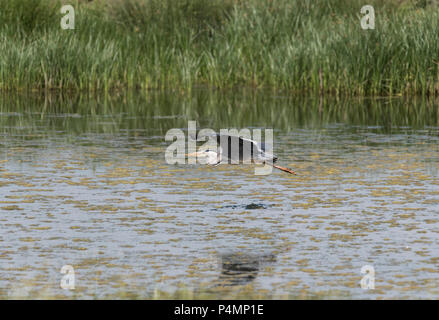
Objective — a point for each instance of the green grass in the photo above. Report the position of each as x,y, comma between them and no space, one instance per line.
299,46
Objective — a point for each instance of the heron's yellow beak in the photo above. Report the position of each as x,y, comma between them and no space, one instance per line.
196,154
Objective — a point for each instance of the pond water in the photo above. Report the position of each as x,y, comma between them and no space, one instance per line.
84,182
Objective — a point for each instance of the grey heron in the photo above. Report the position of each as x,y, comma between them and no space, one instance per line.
236,150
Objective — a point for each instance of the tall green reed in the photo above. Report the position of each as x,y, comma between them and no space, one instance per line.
299,46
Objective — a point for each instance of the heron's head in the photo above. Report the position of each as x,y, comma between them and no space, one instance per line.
207,156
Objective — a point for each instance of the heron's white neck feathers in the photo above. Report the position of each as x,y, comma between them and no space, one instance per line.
210,157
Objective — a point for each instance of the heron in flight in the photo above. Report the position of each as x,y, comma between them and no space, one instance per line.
236,149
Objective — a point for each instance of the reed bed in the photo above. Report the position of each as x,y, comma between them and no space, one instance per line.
298,46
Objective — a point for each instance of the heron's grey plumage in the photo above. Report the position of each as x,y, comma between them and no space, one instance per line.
235,149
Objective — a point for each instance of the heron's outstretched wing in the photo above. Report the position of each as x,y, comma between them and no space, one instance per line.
238,149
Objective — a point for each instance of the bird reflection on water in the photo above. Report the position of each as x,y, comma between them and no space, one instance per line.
241,269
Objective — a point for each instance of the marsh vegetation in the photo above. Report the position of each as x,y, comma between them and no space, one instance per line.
295,46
